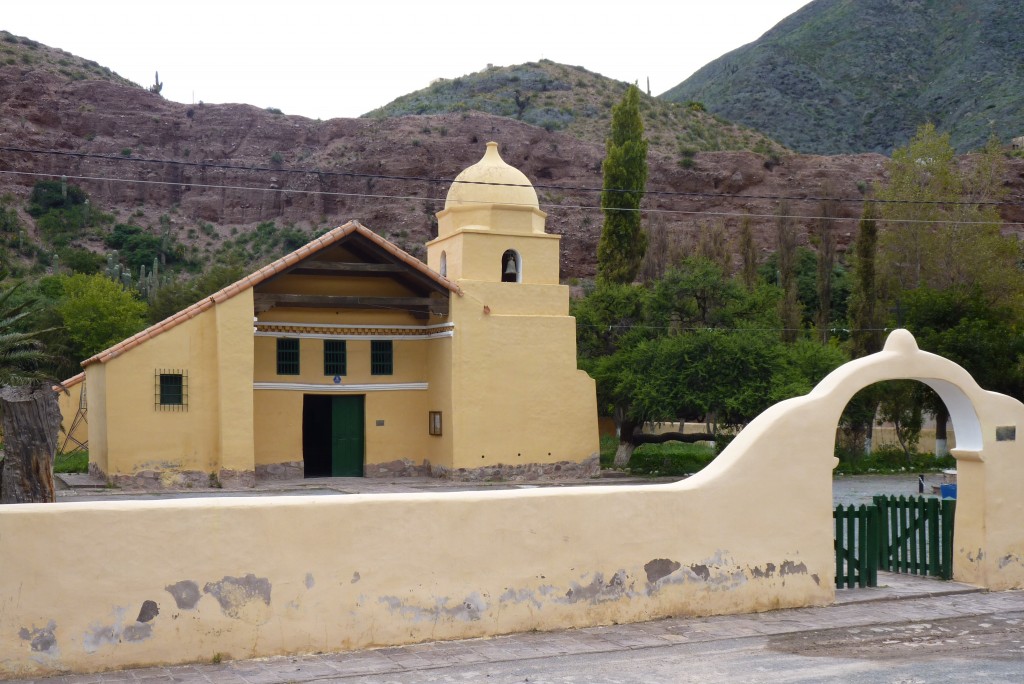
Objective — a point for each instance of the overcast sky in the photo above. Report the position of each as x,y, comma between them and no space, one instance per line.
343,59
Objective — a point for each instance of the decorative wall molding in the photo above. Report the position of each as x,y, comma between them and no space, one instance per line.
341,387
353,332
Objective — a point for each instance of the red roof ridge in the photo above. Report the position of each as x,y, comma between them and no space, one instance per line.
261,274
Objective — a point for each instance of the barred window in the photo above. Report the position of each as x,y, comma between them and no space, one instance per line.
382,357
171,390
335,360
287,356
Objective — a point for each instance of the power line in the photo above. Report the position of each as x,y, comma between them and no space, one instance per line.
439,200
428,179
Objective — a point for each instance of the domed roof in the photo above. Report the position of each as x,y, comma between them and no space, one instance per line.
491,181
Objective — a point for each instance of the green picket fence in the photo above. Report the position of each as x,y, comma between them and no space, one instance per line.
898,534
856,545
916,535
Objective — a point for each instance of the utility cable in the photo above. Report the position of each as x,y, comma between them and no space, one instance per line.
427,179
440,200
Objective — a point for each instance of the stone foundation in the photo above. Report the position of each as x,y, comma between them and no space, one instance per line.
177,479
562,470
403,467
291,470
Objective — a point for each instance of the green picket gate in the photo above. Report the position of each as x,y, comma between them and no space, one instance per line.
856,545
897,534
916,535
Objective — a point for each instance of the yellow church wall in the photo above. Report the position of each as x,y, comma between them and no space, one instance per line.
278,425
212,435
520,397
403,435
145,437
513,218
234,359
69,400
96,398
439,398
477,255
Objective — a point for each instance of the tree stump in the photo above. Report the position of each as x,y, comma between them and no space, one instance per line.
31,421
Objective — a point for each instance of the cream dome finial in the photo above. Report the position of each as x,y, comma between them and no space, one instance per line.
492,181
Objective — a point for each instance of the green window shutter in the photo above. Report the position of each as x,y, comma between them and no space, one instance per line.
335,361
382,357
287,356
171,390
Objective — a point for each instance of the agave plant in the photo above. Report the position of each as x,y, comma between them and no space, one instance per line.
22,357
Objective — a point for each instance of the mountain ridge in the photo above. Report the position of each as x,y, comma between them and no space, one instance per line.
841,77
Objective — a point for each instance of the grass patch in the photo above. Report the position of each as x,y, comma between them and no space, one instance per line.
77,462
892,460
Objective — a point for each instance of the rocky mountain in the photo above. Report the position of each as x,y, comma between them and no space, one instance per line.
849,76
238,183
557,97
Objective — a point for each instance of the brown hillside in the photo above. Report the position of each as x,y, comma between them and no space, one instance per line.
301,163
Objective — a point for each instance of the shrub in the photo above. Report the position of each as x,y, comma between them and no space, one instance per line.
670,458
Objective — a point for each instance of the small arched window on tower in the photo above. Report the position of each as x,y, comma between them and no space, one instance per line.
511,267
444,264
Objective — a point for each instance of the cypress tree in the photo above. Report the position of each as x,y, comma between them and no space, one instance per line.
623,242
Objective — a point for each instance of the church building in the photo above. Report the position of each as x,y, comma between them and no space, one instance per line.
350,357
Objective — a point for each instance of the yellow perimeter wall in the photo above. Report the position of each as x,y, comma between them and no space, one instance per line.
185,580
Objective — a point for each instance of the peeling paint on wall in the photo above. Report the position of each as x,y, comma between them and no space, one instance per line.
186,594
469,610
660,567
310,582
243,598
149,610
118,632
791,568
41,639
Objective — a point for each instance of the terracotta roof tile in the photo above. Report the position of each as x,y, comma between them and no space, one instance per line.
261,274
70,382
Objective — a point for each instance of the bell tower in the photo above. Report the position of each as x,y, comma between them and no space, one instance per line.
492,220
519,404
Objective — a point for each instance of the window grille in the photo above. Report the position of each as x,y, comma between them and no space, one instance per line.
171,390
381,357
335,360
287,356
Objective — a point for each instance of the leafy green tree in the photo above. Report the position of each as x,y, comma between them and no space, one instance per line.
621,248
866,335
98,313
692,345
789,308
961,325
826,264
938,232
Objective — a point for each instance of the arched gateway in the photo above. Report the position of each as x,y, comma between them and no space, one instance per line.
988,538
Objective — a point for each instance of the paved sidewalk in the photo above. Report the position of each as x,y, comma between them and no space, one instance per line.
902,605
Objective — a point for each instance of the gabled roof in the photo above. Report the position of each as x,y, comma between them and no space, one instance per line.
274,268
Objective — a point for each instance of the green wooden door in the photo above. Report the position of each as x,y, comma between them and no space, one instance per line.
347,436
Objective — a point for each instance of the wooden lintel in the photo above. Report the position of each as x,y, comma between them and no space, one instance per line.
320,267
264,301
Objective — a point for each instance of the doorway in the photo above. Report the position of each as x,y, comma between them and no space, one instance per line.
333,435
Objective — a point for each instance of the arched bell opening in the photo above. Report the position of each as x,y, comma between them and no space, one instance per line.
511,267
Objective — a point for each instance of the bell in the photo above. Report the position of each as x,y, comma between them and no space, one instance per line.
510,267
